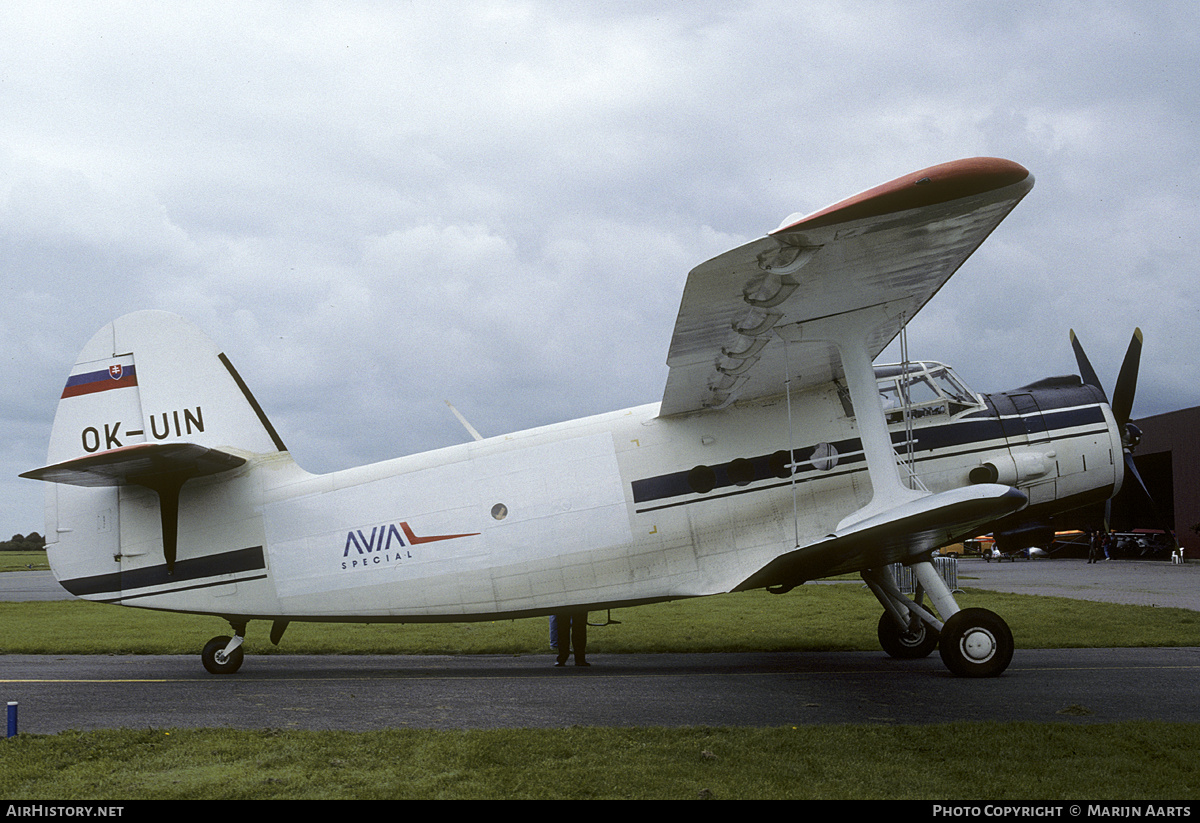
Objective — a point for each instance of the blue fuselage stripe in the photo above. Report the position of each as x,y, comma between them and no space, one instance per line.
964,436
186,575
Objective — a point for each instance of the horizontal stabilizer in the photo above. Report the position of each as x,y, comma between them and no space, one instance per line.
894,536
138,464
161,467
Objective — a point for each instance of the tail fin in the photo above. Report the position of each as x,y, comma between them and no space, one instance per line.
153,377
152,402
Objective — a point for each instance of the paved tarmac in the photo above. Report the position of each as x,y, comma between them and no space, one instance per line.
58,692
359,693
30,586
1135,582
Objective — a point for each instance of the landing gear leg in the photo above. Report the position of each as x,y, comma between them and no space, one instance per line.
972,642
975,642
223,654
906,629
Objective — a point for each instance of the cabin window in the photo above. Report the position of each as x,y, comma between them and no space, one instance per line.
702,479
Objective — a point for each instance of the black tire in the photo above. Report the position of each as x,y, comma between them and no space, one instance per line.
906,645
215,662
976,643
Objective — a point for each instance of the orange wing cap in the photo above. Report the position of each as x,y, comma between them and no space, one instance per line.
928,187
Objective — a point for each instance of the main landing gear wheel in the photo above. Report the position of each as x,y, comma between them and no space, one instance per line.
215,659
976,643
906,644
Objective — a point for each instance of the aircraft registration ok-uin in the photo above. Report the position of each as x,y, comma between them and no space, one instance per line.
779,454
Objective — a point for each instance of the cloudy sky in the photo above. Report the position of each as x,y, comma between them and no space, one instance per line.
374,207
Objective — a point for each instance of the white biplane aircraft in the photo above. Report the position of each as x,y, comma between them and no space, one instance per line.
778,455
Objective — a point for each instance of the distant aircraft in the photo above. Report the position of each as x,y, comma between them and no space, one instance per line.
777,455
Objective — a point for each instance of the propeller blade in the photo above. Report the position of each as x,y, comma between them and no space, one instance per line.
1131,469
1086,372
1122,408
1122,403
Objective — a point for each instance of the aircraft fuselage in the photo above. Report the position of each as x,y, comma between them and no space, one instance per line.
616,509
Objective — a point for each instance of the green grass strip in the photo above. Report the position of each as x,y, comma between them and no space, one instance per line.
960,761
815,617
23,561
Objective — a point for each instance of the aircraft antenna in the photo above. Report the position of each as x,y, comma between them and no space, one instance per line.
470,429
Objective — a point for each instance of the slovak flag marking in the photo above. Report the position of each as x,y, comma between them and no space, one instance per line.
112,376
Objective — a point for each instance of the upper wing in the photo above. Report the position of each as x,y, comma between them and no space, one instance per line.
891,247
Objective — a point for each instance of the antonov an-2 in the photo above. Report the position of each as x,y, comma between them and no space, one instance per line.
778,454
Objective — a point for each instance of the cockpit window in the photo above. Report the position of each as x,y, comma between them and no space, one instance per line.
947,381
925,389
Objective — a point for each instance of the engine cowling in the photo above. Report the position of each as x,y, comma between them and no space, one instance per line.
1013,469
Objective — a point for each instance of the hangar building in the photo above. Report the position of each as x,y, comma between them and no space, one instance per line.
1168,459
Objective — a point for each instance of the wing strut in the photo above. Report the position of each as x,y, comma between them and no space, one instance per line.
850,332
787,383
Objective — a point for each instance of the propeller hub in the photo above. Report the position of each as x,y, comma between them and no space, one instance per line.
1131,436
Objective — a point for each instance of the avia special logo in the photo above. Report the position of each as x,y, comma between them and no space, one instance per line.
386,545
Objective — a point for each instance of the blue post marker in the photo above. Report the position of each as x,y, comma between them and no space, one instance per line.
12,718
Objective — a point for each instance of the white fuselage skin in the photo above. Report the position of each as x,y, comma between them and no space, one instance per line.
532,522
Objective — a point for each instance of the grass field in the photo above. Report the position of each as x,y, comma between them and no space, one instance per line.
963,761
835,616
21,561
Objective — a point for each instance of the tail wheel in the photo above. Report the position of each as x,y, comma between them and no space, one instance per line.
216,661
976,643
906,644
